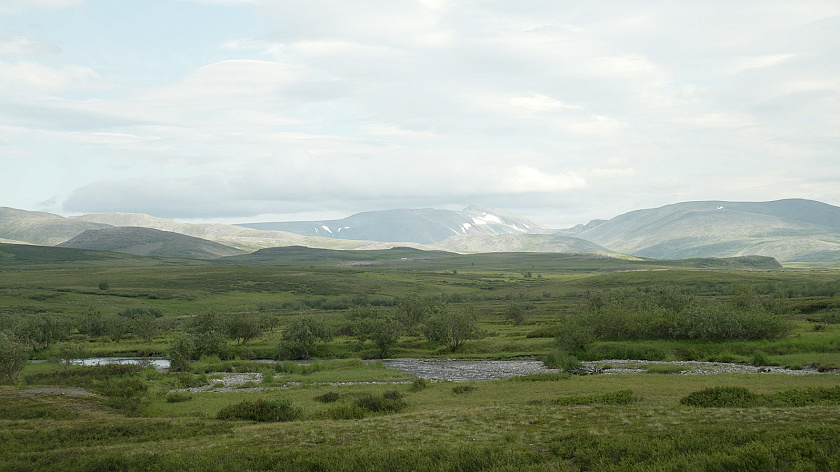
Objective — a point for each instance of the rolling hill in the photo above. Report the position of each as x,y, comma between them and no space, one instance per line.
246,239
795,230
35,227
518,243
788,230
149,242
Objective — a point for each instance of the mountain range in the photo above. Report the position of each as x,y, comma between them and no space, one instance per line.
793,230
422,226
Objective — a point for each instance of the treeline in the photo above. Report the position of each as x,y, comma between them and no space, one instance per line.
440,323
665,314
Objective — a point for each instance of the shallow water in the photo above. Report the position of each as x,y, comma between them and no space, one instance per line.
156,362
467,371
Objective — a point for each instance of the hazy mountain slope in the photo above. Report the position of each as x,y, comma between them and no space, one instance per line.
37,227
239,237
149,242
423,226
788,230
518,243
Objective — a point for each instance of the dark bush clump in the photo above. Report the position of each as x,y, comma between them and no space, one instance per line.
419,384
389,402
261,410
721,397
329,397
460,389
178,397
621,397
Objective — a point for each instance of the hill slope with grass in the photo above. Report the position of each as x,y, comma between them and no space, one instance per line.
788,230
35,227
518,243
149,242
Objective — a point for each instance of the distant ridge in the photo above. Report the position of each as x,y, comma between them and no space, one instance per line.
35,227
421,226
149,242
788,230
519,243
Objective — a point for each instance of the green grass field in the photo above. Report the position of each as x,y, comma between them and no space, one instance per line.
355,415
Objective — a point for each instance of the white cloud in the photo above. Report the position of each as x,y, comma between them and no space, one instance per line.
314,103
524,179
32,77
16,45
10,6
757,62
720,120
539,103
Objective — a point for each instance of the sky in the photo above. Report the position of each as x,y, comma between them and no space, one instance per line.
278,110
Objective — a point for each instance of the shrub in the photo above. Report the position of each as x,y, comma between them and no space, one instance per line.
759,358
328,397
178,397
561,360
621,397
461,389
261,410
721,397
13,357
419,384
389,402
346,412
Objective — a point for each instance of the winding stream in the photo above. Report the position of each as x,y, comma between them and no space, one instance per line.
467,370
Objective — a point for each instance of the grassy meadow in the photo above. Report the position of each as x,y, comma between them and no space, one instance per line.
347,411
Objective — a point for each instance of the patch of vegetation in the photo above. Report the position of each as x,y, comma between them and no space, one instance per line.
328,397
621,397
740,397
462,389
418,384
389,402
261,410
178,397
561,360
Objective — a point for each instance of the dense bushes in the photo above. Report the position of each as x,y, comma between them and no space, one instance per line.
261,410
740,397
666,315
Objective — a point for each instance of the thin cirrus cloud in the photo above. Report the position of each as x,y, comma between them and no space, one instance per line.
562,111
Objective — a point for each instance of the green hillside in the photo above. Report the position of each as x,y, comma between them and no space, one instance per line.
150,242
788,230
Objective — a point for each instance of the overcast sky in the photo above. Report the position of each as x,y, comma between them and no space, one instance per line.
561,111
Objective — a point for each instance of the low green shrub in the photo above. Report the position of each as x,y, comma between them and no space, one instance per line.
346,411
389,402
178,397
328,397
621,397
34,412
759,358
261,410
721,397
419,384
461,389
561,360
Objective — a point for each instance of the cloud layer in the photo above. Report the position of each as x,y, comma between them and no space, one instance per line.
562,111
